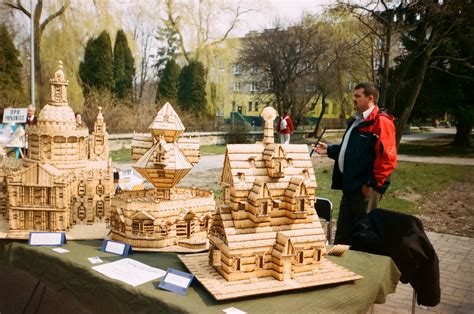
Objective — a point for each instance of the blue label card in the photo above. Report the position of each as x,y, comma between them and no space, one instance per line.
176,281
47,238
115,247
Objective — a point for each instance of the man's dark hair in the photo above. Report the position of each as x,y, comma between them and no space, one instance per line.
369,89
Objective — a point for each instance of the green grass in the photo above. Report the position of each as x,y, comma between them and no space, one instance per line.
121,156
411,185
212,150
436,147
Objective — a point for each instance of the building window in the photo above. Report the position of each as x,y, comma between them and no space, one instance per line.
326,109
264,208
301,257
269,85
261,261
233,106
82,189
100,208
236,86
376,64
100,189
253,86
250,106
253,69
237,266
256,106
310,87
317,255
237,69
302,205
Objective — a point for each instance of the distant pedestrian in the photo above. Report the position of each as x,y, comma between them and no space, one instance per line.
79,122
285,128
31,119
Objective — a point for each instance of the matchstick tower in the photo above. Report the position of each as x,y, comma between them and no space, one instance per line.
165,217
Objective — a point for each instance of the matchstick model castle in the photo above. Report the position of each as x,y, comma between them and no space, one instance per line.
164,217
65,181
266,237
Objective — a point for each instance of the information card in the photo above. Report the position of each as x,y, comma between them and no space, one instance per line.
176,281
130,271
115,247
47,238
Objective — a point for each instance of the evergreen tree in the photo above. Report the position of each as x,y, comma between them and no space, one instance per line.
124,68
96,71
168,83
192,87
10,67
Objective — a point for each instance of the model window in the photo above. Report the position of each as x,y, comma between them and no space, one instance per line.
301,257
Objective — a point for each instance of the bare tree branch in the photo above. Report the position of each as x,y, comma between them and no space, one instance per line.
54,15
19,7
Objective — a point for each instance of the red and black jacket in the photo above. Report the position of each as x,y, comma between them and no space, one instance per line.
370,157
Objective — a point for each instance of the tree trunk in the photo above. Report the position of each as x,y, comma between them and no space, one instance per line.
321,114
42,89
386,67
463,131
413,93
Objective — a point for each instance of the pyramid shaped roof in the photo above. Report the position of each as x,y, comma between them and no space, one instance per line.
167,124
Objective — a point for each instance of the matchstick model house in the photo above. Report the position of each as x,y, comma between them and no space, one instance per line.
266,236
63,183
268,225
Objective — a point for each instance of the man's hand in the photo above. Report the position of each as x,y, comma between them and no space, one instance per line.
321,148
366,190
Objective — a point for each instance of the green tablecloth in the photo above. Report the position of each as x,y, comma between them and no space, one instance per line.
71,273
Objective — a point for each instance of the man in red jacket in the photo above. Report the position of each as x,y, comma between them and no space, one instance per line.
364,160
285,128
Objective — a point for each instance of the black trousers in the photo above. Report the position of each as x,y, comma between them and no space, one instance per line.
354,206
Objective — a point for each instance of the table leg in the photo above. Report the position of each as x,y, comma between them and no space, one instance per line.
28,302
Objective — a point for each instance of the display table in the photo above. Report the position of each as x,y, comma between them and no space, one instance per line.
71,273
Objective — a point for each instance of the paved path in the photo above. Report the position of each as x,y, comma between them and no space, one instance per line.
433,133
456,257
437,160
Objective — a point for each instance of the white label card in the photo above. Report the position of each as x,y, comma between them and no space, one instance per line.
114,247
60,250
233,310
95,260
46,238
177,280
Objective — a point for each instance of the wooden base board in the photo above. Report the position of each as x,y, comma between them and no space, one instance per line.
172,249
95,231
221,289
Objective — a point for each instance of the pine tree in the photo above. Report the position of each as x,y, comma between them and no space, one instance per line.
168,83
124,68
10,67
192,87
96,71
